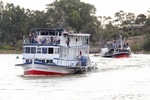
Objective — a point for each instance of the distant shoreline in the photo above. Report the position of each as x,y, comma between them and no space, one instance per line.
5,51
93,50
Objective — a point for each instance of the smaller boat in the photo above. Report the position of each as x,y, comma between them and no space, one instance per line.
117,48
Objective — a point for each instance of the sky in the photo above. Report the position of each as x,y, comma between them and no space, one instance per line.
104,7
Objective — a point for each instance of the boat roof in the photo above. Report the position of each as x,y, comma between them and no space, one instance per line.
60,29
76,34
50,29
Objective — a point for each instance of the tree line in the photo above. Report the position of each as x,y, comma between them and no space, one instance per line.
75,15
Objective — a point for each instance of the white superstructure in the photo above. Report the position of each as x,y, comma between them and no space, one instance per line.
55,51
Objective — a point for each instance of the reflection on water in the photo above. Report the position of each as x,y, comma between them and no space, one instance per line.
115,79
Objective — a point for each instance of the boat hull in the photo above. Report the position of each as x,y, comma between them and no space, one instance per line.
40,72
118,55
44,69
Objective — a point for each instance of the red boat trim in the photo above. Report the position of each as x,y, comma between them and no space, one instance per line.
37,72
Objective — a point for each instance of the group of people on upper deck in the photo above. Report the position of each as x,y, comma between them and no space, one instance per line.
117,44
33,39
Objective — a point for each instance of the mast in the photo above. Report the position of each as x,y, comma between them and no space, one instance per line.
121,41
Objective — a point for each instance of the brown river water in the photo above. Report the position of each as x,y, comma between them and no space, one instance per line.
115,79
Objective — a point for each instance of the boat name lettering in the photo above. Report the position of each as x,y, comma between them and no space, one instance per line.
42,68
27,67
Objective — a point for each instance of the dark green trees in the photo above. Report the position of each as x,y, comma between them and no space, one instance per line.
72,15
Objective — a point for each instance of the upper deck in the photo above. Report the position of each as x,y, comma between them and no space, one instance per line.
46,36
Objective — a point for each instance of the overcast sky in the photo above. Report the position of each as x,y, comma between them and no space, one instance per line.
104,7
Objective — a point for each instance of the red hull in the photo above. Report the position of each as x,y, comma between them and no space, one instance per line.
122,56
35,72
119,55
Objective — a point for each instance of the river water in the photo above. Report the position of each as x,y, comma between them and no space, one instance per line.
115,79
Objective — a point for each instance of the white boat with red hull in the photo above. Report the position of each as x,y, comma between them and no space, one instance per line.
56,52
118,48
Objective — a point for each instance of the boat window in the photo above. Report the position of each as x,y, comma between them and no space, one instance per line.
56,50
44,33
50,50
38,50
27,49
52,33
43,61
49,61
27,60
44,50
33,50
59,34
38,60
60,52
87,41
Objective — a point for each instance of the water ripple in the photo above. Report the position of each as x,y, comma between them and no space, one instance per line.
115,79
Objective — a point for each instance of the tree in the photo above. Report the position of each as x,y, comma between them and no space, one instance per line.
104,29
147,23
120,17
140,19
146,45
77,16
129,19
14,21
1,16
72,12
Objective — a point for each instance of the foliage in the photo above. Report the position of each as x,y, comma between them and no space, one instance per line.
146,45
147,23
7,47
71,15
141,18
18,45
136,47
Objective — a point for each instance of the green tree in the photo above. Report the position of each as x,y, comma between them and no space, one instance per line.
120,17
14,21
129,19
146,44
73,13
1,17
140,19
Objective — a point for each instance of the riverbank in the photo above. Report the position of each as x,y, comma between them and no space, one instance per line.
5,51
93,50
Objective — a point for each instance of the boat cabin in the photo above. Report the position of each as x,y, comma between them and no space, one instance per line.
55,46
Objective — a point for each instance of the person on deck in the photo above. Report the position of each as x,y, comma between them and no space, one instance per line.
68,40
31,38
